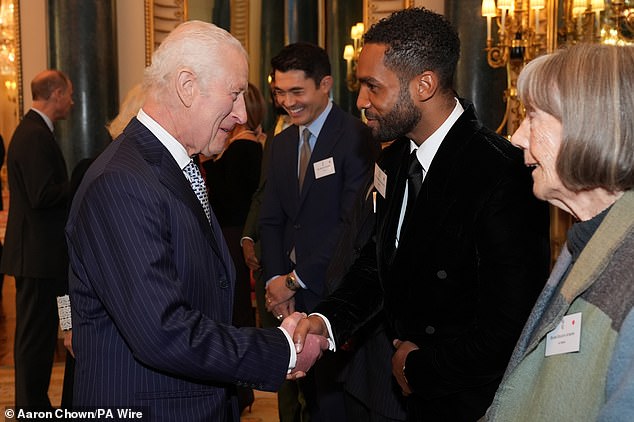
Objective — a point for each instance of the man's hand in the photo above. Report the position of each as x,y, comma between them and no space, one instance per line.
311,325
276,294
284,309
291,321
313,349
248,251
398,363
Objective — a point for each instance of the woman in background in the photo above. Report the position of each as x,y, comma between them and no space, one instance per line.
575,358
232,177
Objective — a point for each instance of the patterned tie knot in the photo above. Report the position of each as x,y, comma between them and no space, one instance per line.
198,185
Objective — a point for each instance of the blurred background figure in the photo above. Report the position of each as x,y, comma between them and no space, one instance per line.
250,240
232,178
35,249
574,360
128,109
2,152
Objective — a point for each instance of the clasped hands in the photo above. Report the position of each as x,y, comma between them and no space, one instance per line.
310,336
310,341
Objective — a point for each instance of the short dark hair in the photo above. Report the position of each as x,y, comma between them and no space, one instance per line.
417,40
308,57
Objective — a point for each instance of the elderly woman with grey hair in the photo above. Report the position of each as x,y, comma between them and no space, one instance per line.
575,358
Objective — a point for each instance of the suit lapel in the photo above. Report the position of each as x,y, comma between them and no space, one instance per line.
172,177
389,209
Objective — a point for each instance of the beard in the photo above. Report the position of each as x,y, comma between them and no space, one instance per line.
402,119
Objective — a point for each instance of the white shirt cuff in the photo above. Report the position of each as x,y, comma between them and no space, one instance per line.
245,238
331,342
293,360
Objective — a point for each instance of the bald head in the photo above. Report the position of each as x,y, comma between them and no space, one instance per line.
46,82
52,94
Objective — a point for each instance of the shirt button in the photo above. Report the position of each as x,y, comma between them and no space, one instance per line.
430,330
442,274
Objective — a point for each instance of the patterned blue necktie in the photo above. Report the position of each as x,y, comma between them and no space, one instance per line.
198,184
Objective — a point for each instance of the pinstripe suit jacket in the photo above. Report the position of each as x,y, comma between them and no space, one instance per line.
152,285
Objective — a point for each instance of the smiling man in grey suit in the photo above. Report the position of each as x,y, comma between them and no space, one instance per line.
151,278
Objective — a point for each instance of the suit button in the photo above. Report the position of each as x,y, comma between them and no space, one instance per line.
223,283
430,330
442,274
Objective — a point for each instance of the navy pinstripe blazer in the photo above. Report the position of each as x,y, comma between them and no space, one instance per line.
151,285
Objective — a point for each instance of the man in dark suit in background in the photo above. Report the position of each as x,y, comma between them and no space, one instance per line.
34,249
151,279
2,153
453,263
316,167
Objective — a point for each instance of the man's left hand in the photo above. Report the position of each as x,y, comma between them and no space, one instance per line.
277,293
398,363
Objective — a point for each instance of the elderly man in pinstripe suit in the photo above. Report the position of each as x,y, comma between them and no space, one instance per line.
151,279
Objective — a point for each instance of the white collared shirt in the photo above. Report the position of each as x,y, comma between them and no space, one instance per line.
48,121
426,153
173,146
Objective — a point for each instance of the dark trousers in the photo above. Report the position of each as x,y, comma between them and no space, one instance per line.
36,324
324,394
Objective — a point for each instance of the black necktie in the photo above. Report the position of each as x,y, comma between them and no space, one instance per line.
414,179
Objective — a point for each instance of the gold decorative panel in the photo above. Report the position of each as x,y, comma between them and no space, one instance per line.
161,16
375,10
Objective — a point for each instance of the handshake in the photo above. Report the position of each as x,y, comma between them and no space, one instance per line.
308,345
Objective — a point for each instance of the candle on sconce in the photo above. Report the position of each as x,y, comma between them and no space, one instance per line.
488,10
348,54
537,5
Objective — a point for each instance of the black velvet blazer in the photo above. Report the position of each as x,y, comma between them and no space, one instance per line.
468,268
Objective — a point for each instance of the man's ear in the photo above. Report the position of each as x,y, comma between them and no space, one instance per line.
426,85
185,86
326,83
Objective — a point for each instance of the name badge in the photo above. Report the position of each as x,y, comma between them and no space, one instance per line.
380,180
324,168
566,338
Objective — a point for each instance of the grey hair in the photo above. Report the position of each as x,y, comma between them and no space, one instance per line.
197,45
588,88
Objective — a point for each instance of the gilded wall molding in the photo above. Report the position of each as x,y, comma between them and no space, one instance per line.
375,10
161,16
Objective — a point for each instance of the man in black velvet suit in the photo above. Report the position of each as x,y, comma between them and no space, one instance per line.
453,264
34,249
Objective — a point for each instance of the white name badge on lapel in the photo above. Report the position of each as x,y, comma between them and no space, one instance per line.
380,180
324,168
566,338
